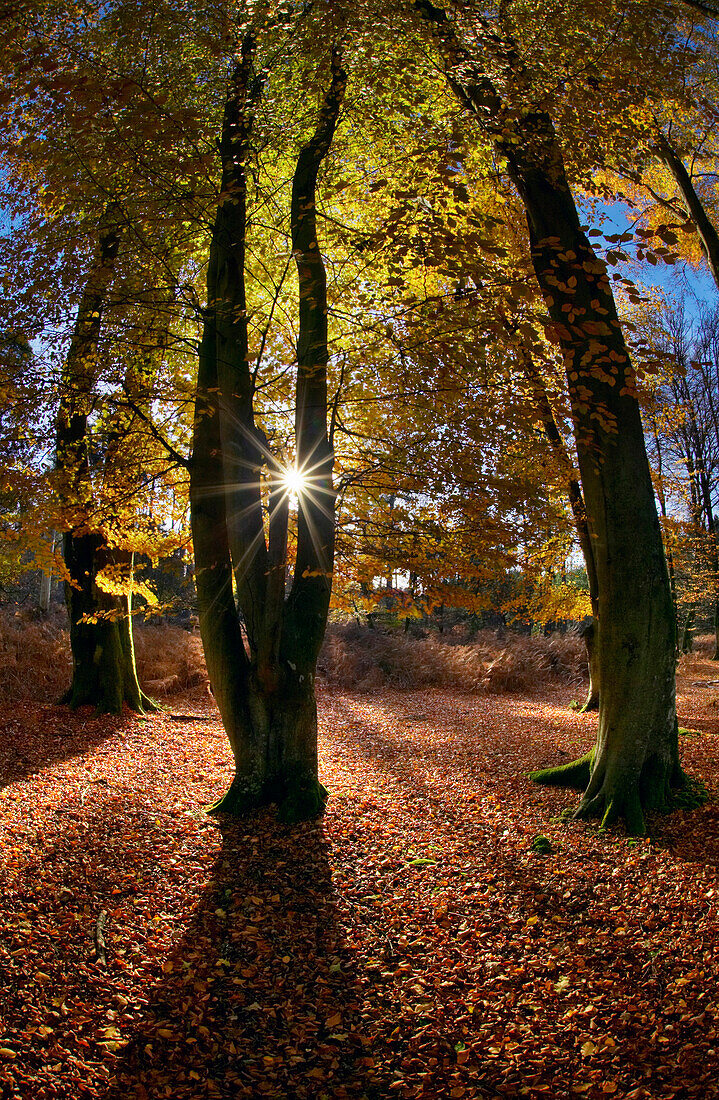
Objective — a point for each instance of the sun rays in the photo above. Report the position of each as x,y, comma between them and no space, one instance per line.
295,482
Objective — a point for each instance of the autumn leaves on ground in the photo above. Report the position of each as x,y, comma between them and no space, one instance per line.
411,943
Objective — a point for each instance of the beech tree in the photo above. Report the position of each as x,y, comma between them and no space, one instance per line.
104,671
263,675
635,762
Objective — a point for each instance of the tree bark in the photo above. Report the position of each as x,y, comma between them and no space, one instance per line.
103,655
265,692
104,673
553,436
694,206
635,761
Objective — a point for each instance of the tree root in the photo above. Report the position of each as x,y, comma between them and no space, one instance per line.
621,798
575,774
296,801
241,798
302,802
612,809
148,705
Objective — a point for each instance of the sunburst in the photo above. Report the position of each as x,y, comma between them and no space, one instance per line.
295,482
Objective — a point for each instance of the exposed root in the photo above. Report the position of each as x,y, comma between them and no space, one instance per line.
241,798
148,705
613,808
613,799
575,774
296,801
304,801
591,705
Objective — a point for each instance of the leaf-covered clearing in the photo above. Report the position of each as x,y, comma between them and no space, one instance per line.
412,943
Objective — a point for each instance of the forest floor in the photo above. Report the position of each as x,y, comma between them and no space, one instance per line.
409,944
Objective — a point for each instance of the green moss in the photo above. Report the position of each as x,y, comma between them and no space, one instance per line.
541,846
302,801
241,798
692,794
575,774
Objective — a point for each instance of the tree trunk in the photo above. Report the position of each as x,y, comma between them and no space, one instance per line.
635,761
708,235
687,634
46,580
661,495
590,631
636,757
104,672
265,692
103,656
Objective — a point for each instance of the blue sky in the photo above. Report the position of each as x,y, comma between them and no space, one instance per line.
679,280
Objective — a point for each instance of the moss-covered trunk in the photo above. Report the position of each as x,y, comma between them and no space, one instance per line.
636,757
635,761
103,657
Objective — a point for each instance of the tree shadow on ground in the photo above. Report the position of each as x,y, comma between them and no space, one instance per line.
259,997
43,735
705,725
538,911
692,835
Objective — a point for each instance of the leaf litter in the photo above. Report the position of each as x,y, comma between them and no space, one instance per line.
409,944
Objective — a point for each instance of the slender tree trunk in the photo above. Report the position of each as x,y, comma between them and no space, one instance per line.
661,495
46,579
265,692
708,235
589,631
687,634
635,761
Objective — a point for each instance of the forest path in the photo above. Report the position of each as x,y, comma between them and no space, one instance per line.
410,944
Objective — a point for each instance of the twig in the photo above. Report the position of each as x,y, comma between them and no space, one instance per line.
100,945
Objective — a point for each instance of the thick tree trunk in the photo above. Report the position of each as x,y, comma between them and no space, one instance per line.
636,759
103,657
265,692
274,736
